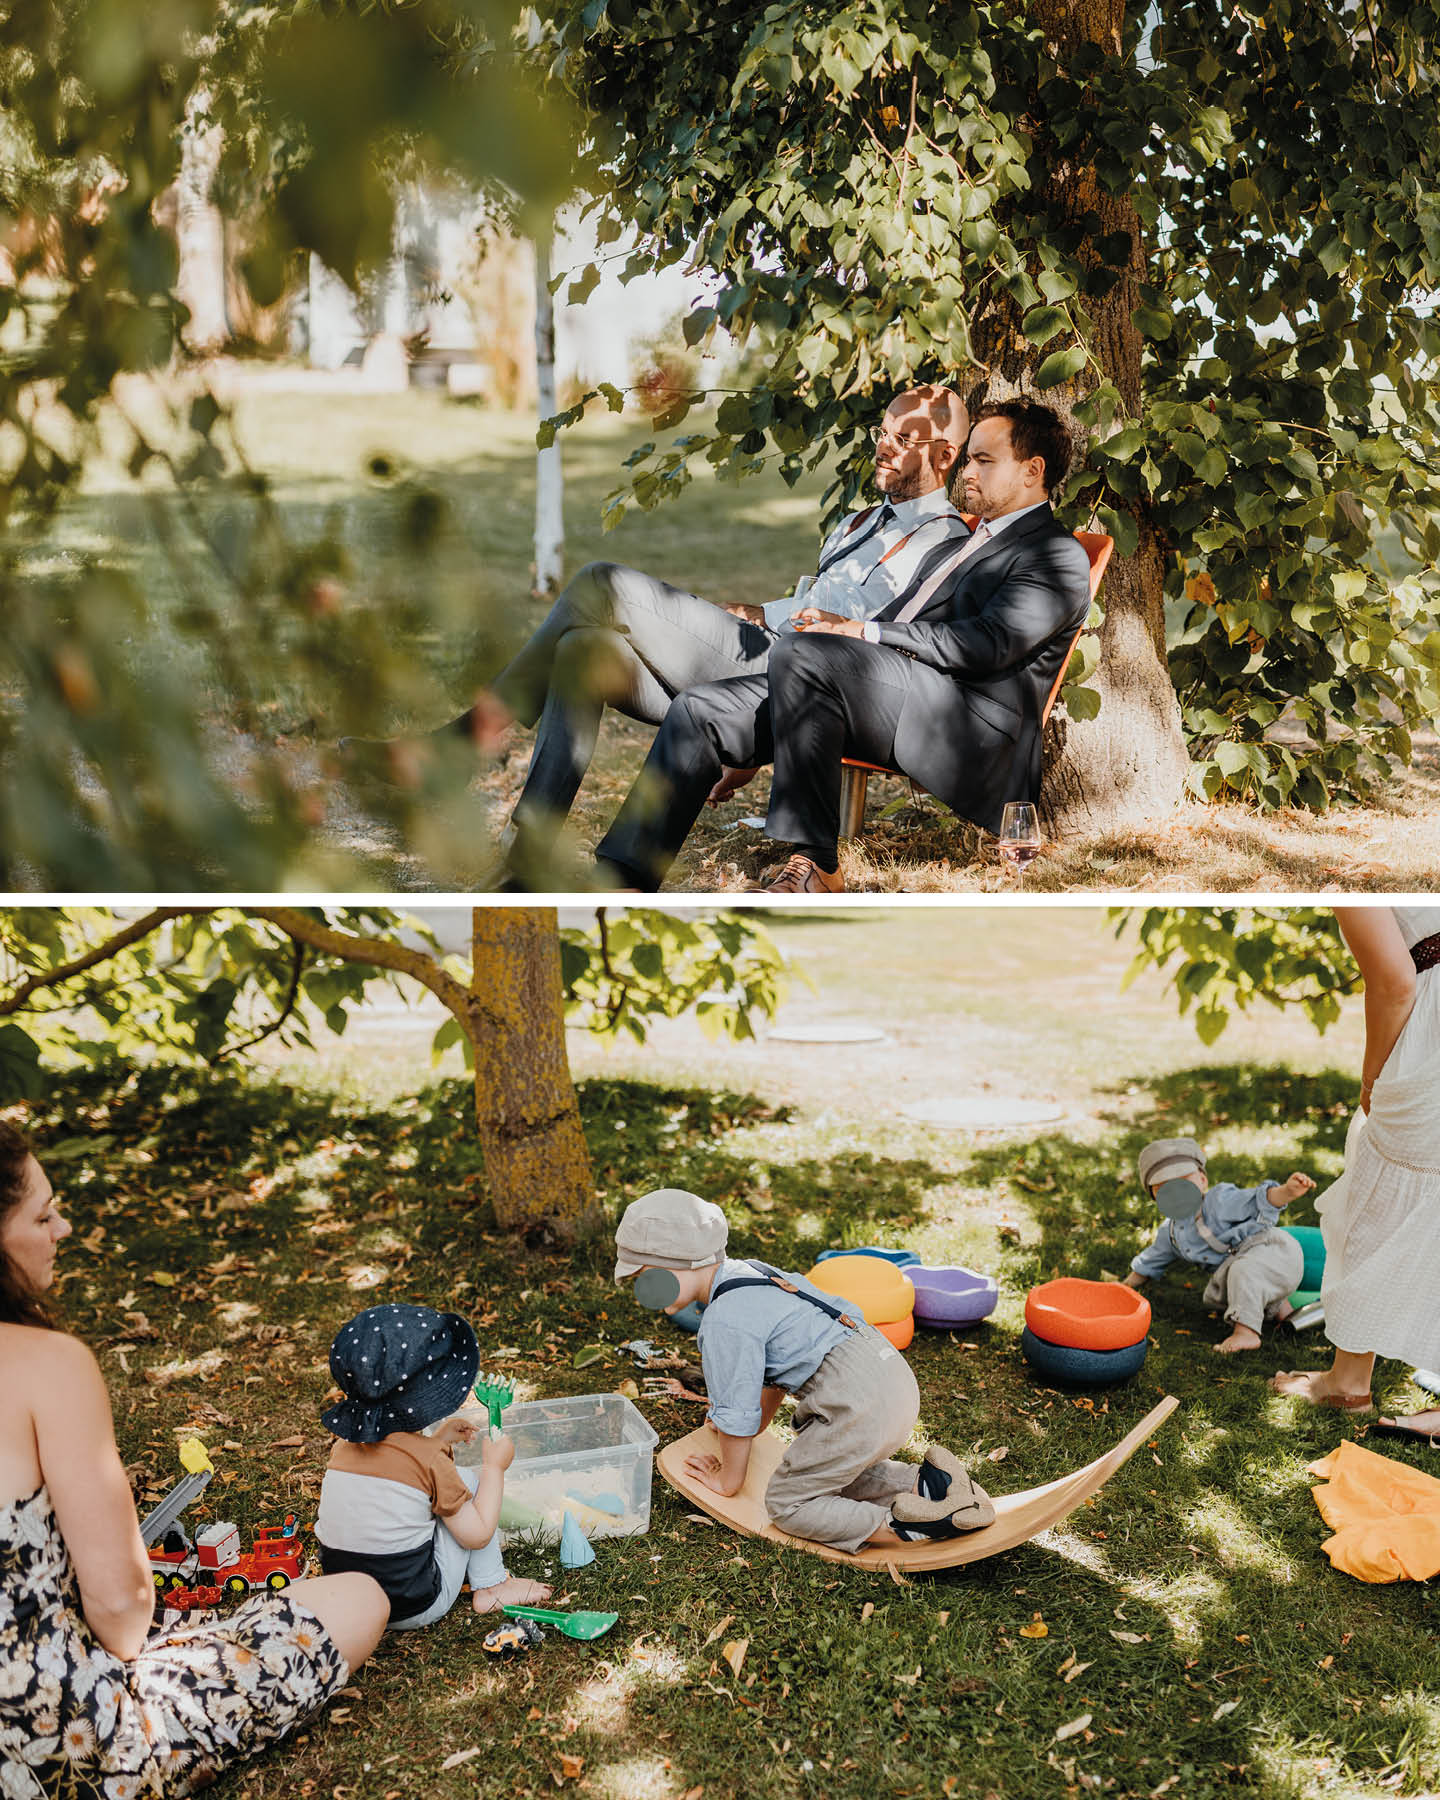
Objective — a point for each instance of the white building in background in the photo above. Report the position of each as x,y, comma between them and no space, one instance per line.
423,287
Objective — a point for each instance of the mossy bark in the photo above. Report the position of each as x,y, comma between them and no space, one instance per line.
1130,762
536,1158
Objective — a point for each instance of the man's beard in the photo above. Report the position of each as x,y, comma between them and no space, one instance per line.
903,486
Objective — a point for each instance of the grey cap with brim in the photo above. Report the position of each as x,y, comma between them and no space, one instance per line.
1167,1158
669,1229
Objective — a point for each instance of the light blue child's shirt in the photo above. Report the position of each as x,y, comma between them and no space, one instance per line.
757,1338
1231,1214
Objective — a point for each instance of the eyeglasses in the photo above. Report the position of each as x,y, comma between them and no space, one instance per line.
906,440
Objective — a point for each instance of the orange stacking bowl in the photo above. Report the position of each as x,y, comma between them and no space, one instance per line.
882,1293
1087,1315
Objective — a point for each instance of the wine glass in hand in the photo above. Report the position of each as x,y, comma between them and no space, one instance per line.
1020,838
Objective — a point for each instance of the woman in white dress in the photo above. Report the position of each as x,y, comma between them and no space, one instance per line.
1381,1218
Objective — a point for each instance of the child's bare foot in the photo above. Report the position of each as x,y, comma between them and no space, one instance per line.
510,1592
1241,1338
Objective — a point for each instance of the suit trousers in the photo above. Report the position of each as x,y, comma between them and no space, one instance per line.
615,637
822,697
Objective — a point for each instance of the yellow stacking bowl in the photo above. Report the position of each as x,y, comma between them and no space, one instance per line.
877,1287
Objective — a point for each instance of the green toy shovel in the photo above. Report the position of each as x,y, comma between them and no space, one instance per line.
582,1625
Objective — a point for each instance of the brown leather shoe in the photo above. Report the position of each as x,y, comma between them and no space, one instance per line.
801,876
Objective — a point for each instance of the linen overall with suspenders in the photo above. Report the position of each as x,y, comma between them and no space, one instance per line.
1255,1276
836,1482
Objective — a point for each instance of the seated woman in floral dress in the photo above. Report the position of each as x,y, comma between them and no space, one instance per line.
90,1703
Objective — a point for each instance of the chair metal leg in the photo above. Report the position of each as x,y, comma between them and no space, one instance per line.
853,783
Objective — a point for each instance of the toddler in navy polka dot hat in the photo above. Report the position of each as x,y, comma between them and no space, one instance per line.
393,1504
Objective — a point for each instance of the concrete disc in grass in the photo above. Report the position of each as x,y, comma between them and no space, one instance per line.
841,1031
983,1113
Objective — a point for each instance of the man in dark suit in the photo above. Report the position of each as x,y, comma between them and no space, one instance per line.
946,684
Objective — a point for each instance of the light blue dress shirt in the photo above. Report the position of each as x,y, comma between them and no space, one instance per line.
875,571
1231,1214
758,1338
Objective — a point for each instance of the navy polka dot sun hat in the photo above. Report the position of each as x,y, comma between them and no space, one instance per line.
401,1369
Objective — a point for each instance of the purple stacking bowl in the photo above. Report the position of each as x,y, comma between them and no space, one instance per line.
945,1298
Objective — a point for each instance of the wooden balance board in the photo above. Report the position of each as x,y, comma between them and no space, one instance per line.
1018,1517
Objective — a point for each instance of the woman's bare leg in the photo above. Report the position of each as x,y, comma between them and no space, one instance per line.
352,1608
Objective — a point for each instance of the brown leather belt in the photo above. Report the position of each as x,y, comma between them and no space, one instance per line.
1426,953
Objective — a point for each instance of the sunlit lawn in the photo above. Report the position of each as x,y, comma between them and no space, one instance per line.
1209,1647
729,542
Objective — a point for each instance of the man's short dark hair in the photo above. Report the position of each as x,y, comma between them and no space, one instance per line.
1036,430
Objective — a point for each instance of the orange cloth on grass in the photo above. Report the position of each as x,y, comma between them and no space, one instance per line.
1385,1515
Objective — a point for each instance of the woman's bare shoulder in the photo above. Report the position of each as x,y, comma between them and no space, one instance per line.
30,1353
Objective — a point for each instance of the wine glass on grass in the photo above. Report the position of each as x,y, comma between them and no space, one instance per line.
1020,838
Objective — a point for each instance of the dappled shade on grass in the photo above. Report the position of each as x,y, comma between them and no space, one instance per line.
1188,1611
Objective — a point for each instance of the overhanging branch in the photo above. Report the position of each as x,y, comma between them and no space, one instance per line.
382,953
121,940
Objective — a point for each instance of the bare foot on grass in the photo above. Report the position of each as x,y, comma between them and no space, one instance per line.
1316,1387
1241,1338
510,1592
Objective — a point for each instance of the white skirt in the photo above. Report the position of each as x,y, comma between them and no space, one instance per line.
1381,1218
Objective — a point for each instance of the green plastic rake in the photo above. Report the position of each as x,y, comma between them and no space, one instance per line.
495,1393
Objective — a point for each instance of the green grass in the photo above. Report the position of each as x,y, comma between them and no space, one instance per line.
462,606
1194,1581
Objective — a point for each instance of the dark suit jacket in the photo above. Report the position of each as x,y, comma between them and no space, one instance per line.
990,644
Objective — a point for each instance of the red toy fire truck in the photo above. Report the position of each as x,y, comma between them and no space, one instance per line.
215,1558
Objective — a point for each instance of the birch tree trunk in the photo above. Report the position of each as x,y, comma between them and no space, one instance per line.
549,475
200,230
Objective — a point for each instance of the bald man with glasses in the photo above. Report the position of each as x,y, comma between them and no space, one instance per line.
619,637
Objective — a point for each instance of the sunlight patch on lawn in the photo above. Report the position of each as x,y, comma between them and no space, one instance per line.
1232,1534
636,1778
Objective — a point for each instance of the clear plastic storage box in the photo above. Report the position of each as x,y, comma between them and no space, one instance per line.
589,1454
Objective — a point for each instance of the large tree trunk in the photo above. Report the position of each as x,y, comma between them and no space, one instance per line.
536,1159
1130,762
549,478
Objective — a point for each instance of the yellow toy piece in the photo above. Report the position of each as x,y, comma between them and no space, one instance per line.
194,1458
877,1287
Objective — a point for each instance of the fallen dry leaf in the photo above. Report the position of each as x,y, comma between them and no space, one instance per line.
290,1443
571,1767
719,1630
1129,1637
1073,1728
997,1455
1225,1706
1037,1628
1078,1670
734,1654
460,1756
867,1610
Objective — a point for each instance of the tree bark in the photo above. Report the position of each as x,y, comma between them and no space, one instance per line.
549,476
537,1163
1129,763
536,1156
200,231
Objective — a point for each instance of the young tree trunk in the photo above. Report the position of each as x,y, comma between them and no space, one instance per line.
537,1163
549,477
200,230
1130,762
536,1157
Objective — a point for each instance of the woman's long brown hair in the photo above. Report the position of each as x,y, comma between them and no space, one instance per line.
19,1304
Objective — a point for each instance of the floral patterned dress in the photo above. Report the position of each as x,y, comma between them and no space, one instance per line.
76,1721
